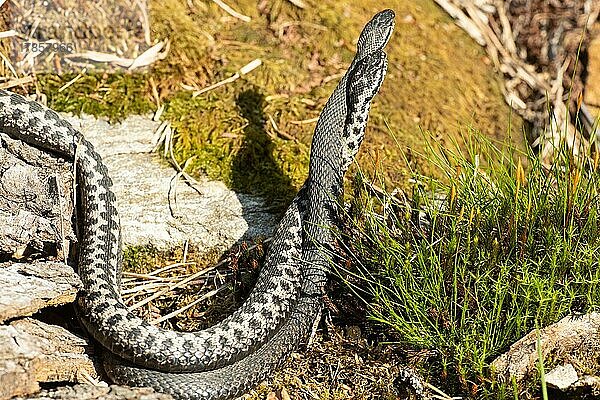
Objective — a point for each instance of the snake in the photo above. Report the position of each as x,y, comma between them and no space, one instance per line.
230,357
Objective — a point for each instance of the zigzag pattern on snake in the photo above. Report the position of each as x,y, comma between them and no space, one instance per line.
248,345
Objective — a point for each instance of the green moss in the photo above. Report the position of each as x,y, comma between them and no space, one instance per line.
229,139
114,96
303,54
140,259
144,259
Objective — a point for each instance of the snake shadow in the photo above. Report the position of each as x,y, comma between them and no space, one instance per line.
255,173
254,168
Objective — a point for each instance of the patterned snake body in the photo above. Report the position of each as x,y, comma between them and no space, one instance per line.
230,357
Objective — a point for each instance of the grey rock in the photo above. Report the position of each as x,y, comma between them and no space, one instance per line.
26,288
214,219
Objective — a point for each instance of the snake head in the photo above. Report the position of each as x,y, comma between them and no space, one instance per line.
376,33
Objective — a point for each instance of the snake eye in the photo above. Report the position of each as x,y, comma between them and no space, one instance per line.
377,32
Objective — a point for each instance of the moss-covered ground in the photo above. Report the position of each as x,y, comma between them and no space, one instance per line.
255,133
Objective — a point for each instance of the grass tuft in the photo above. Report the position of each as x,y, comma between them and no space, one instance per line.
469,263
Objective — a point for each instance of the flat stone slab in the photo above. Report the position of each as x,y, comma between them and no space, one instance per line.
25,288
155,208
573,340
32,351
214,219
562,377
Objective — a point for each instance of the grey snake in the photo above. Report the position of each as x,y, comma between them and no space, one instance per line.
230,357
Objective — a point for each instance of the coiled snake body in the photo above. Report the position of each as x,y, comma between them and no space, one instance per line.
230,357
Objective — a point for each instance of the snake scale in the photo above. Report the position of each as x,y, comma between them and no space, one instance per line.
230,357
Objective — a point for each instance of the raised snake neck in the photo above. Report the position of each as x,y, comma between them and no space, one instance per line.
248,345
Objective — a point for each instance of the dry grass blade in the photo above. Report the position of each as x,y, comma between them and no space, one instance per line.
305,121
160,135
143,276
188,306
462,20
155,53
439,394
252,65
148,287
176,285
158,113
280,132
9,65
72,81
164,137
16,82
175,180
170,267
100,57
298,3
193,183
232,12
9,33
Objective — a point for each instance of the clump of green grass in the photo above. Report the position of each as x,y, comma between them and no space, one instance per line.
468,264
